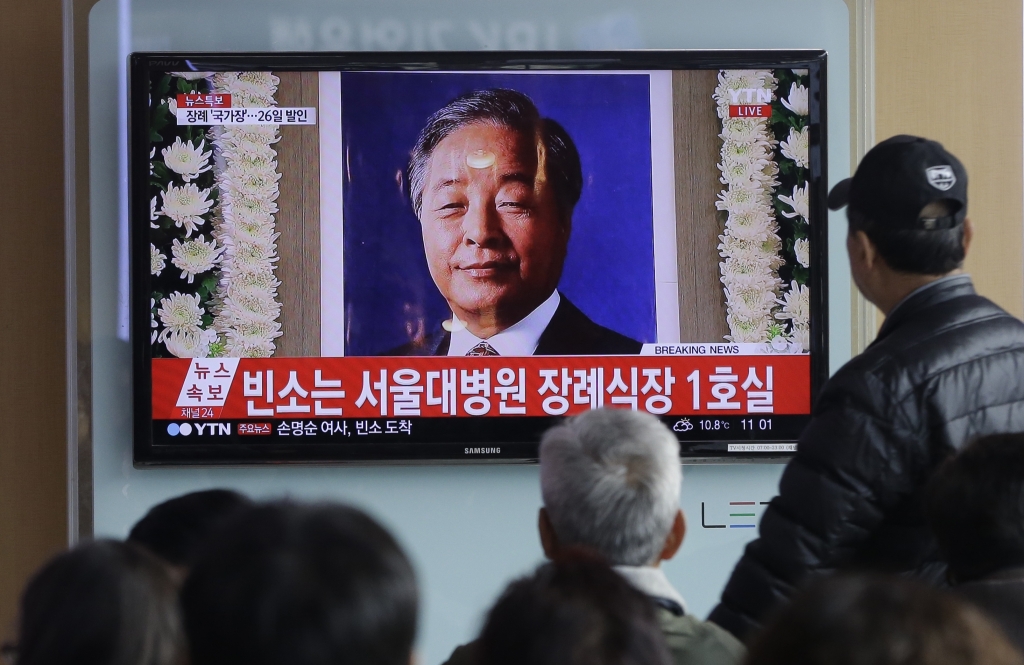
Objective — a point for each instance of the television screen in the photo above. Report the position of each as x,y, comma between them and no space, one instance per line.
437,256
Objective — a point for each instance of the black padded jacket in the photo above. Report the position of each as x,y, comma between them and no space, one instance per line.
947,366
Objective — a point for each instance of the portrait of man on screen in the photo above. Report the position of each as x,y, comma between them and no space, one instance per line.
494,185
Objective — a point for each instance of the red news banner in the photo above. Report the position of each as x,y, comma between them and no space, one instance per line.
435,387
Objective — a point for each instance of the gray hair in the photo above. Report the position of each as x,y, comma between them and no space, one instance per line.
610,480
504,108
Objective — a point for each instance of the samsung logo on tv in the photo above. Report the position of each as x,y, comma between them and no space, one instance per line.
483,451
167,63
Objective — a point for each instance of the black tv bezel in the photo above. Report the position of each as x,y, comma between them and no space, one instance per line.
143,65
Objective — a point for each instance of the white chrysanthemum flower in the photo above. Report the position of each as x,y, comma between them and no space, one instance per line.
253,157
797,146
249,305
192,76
186,159
257,222
242,349
152,154
172,106
222,79
253,88
802,249
180,313
248,88
800,72
746,330
262,184
796,305
753,172
750,268
254,335
157,260
190,344
797,101
193,257
752,224
236,135
801,339
255,229
744,130
733,85
154,214
745,152
255,206
186,205
743,198
152,321
754,300
800,202
261,281
765,248
251,256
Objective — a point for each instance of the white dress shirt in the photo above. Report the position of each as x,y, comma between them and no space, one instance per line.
518,340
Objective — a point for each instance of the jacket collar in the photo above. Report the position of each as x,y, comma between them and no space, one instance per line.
652,582
941,290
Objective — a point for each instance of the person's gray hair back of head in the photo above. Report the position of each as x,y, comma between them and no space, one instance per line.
610,480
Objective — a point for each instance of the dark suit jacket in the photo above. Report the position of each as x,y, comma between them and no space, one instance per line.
570,333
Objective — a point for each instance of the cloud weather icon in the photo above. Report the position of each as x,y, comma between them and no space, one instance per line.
683,425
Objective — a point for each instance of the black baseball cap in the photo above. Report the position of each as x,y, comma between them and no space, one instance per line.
898,178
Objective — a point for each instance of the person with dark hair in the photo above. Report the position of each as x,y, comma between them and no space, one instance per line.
573,611
494,185
102,603
869,620
945,368
975,505
176,529
303,585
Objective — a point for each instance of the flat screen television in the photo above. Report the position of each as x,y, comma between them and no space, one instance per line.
399,257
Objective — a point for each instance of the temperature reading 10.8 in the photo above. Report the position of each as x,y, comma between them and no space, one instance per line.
756,424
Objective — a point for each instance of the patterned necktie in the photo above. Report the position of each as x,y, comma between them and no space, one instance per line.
482,349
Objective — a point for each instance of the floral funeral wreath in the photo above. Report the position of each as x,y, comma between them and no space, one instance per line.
765,248
214,194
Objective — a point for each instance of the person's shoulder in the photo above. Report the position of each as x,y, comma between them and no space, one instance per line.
571,332
463,655
695,642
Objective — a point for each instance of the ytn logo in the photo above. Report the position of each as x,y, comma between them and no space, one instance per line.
200,429
751,96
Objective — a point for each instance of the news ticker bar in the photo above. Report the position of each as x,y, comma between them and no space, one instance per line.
739,434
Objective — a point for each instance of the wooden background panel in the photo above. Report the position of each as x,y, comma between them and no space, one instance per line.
951,70
298,220
698,223
33,517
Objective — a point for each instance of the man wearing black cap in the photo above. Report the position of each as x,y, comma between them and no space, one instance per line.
947,367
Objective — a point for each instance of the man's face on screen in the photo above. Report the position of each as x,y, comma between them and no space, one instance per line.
492,233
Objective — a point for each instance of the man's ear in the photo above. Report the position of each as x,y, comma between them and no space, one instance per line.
675,537
968,235
862,251
548,537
